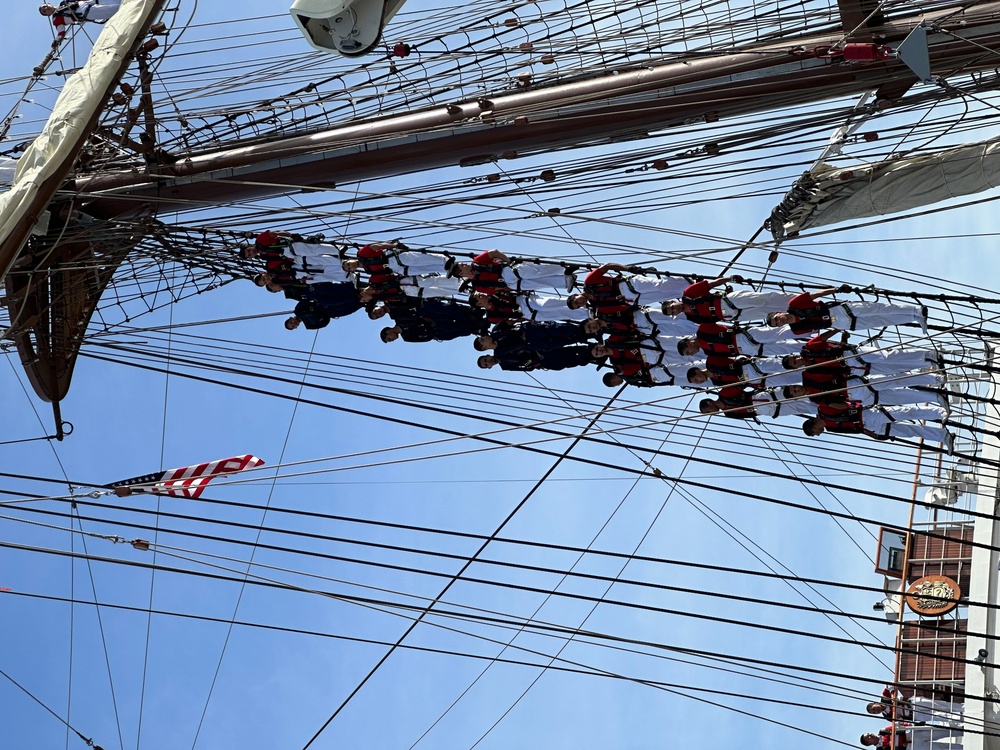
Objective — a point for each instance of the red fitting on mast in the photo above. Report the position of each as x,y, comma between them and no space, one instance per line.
855,52
867,52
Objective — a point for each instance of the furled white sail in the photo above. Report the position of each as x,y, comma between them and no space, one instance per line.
81,99
827,196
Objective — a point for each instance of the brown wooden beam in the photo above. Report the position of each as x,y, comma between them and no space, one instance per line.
612,106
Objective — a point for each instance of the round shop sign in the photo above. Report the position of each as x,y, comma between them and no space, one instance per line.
933,596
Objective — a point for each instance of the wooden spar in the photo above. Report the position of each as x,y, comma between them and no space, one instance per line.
602,109
49,305
54,307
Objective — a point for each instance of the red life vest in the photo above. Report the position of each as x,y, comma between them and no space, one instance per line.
387,289
640,378
373,260
833,356
275,261
267,238
824,353
815,318
627,357
631,371
737,402
505,307
620,321
620,324
705,308
848,421
715,339
824,390
724,370
487,277
606,297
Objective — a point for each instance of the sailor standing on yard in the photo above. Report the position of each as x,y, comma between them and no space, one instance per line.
530,336
732,341
740,402
288,256
319,303
432,319
880,390
880,422
807,313
888,737
723,370
270,243
615,292
699,304
378,257
860,360
510,305
492,270
67,13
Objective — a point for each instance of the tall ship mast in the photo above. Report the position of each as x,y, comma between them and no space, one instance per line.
405,550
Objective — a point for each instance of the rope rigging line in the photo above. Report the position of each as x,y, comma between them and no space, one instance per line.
430,443
859,695
89,742
419,608
256,543
100,624
759,553
72,635
156,535
210,285
458,575
177,553
412,404
582,670
479,437
972,299
602,597
543,627
570,571
72,630
390,382
439,553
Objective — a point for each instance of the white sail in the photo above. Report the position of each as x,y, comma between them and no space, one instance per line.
81,99
828,196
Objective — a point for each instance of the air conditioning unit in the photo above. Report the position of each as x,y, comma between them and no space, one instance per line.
947,492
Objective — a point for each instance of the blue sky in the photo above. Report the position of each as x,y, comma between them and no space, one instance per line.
275,689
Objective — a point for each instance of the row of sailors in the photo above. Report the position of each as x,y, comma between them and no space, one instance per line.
884,394
685,315
839,388
759,369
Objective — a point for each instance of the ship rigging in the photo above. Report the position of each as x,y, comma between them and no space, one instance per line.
413,510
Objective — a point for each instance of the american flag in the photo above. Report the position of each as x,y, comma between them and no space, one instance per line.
189,481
